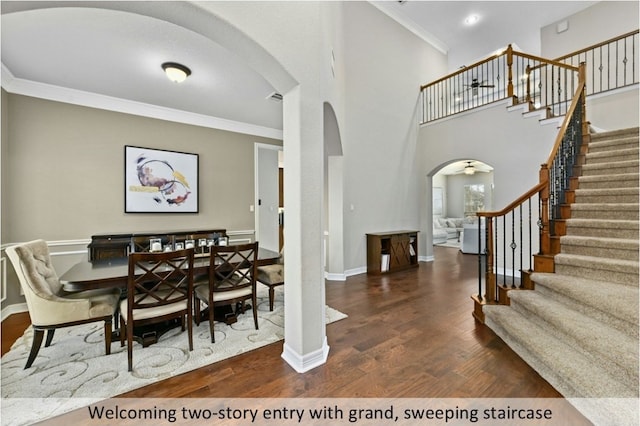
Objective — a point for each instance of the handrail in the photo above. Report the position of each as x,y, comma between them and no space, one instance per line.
546,61
565,123
544,84
518,201
501,246
465,68
597,45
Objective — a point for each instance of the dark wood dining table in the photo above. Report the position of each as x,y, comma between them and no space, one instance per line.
114,273
109,273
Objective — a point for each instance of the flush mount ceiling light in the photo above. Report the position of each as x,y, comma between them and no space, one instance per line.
176,72
471,19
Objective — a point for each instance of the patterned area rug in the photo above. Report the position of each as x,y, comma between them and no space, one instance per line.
75,367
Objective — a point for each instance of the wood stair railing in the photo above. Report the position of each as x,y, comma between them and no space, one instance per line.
509,238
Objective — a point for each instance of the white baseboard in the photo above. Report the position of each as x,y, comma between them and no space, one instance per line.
304,363
355,271
335,277
13,309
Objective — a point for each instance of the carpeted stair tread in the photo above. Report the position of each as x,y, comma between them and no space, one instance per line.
611,155
617,211
613,350
621,180
616,304
615,134
615,270
625,224
612,144
610,195
579,377
616,167
619,248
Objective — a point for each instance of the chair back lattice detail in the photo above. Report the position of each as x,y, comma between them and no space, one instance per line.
233,267
232,281
158,279
159,288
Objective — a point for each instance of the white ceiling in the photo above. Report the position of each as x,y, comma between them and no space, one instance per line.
118,55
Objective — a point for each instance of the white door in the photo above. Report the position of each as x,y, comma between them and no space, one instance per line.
267,192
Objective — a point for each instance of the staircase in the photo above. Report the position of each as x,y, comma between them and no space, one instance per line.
579,327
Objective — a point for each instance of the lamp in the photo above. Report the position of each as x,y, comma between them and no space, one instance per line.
176,72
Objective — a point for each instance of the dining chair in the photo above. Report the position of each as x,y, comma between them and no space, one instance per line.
50,307
159,289
232,281
272,276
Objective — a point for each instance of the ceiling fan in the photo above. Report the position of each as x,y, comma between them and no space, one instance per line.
470,169
475,84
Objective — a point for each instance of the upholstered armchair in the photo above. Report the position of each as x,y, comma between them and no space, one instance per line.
50,307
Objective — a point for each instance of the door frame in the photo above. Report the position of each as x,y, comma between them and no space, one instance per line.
256,186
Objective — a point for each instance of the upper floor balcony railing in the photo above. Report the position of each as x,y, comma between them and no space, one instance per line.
524,78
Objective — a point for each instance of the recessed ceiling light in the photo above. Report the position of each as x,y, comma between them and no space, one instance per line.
471,19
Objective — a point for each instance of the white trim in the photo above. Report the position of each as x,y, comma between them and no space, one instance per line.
498,103
426,258
355,271
617,91
3,290
335,276
411,26
304,363
14,309
110,103
67,253
256,181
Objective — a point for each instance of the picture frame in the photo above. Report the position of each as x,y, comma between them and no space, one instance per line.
160,181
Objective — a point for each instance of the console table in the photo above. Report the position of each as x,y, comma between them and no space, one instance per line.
391,251
110,246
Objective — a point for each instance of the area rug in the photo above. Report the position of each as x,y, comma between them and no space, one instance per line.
453,243
75,371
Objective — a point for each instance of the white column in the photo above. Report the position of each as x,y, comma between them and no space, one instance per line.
305,343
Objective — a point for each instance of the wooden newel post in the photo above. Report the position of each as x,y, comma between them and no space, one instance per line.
490,276
510,73
545,236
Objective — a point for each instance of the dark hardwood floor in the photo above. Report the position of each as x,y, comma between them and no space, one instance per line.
409,334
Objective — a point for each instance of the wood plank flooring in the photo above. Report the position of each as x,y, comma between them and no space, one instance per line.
409,334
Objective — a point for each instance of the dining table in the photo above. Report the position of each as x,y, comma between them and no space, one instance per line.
114,273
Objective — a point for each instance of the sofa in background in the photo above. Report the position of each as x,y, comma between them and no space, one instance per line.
446,228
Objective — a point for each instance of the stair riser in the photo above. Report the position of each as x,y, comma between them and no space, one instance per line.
605,214
598,274
609,198
606,184
609,253
612,156
616,169
602,232
629,326
613,144
600,356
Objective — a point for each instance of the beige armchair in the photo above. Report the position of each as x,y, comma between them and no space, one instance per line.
50,307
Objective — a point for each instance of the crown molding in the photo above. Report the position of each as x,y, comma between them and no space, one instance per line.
93,100
384,7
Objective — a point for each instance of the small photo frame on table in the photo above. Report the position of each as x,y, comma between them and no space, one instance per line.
160,181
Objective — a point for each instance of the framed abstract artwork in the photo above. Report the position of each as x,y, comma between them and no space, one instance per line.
160,181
